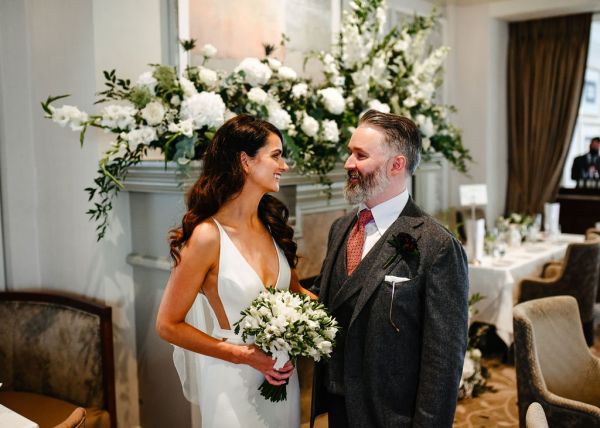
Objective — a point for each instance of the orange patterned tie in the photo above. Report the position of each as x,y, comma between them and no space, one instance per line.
356,240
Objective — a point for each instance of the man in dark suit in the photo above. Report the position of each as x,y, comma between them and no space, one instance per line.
587,167
397,283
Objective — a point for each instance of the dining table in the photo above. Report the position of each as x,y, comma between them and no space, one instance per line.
11,419
496,279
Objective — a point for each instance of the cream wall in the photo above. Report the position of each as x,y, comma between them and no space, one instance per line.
57,47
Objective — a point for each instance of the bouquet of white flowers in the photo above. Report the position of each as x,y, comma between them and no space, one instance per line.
286,326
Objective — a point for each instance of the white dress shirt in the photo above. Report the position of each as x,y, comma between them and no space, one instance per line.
384,215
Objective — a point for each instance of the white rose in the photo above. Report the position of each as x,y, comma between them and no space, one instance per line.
287,73
208,50
255,72
187,87
310,126
279,118
299,90
330,131
153,113
425,125
207,76
258,96
147,80
379,106
333,100
274,63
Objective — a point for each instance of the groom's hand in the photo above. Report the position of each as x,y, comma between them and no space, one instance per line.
262,362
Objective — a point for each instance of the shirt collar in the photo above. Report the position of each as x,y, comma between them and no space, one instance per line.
388,211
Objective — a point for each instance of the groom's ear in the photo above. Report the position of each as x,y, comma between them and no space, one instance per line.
398,165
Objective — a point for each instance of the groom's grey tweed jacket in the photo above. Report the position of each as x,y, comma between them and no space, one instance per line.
405,378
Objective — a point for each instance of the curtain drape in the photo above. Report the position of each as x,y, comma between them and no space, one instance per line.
546,68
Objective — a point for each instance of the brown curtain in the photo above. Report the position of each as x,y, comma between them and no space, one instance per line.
546,68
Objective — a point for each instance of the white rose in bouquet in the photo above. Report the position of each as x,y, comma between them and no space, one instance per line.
187,87
286,326
287,73
330,131
256,73
258,96
333,100
208,50
153,113
299,90
310,125
279,117
274,63
205,109
207,76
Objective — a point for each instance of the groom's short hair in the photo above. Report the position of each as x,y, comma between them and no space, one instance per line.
401,135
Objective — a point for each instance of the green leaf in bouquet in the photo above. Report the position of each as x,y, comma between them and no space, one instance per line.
50,100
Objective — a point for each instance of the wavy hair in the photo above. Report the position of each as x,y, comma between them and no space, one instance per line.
223,178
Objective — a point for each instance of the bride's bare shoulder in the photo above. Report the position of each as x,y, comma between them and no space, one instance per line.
204,239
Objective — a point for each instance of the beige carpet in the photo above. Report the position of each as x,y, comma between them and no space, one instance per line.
492,409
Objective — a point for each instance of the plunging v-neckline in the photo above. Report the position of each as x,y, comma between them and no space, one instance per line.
266,287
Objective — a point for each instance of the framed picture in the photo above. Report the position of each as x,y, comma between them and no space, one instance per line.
590,96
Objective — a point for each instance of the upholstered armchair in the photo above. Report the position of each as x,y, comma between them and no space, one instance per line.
56,354
535,417
590,235
554,365
576,276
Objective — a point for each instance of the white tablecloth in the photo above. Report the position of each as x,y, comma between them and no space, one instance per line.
497,279
10,419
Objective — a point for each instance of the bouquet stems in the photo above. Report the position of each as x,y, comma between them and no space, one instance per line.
275,393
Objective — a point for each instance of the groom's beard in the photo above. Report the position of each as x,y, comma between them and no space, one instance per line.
368,185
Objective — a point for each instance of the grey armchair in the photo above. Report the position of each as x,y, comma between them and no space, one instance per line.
554,365
56,354
576,276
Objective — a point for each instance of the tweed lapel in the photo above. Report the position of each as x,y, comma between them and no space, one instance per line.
337,239
409,221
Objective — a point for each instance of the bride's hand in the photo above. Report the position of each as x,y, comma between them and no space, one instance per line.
262,362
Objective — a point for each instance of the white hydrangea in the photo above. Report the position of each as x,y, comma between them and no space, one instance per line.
207,76
147,80
256,73
144,135
188,88
333,100
115,116
330,131
186,127
153,113
258,96
208,50
287,73
379,106
69,115
279,117
310,125
299,90
205,109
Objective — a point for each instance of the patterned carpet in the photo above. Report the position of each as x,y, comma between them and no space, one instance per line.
492,409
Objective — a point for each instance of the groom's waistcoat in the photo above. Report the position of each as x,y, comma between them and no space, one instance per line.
334,374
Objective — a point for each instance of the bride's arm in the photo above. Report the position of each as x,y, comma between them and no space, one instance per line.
198,257
297,288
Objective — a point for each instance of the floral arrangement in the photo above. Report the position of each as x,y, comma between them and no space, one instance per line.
474,377
179,113
286,326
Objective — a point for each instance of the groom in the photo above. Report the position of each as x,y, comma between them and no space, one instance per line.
397,283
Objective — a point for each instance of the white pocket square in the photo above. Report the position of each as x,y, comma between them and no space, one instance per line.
391,279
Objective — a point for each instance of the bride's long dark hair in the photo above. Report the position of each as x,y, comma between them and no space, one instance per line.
223,177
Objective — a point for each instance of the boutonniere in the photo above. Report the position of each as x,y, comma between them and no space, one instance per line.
405,246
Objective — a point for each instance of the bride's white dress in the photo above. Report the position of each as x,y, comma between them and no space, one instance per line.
228,393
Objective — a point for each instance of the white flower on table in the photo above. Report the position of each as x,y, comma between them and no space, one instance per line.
153,113
255,72
205,109
333,100
69,115
187,87
115,116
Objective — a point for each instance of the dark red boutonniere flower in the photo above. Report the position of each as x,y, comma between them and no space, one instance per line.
405,246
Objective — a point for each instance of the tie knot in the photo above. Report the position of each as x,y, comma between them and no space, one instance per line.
364,217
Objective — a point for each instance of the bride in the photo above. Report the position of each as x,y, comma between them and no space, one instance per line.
233,243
